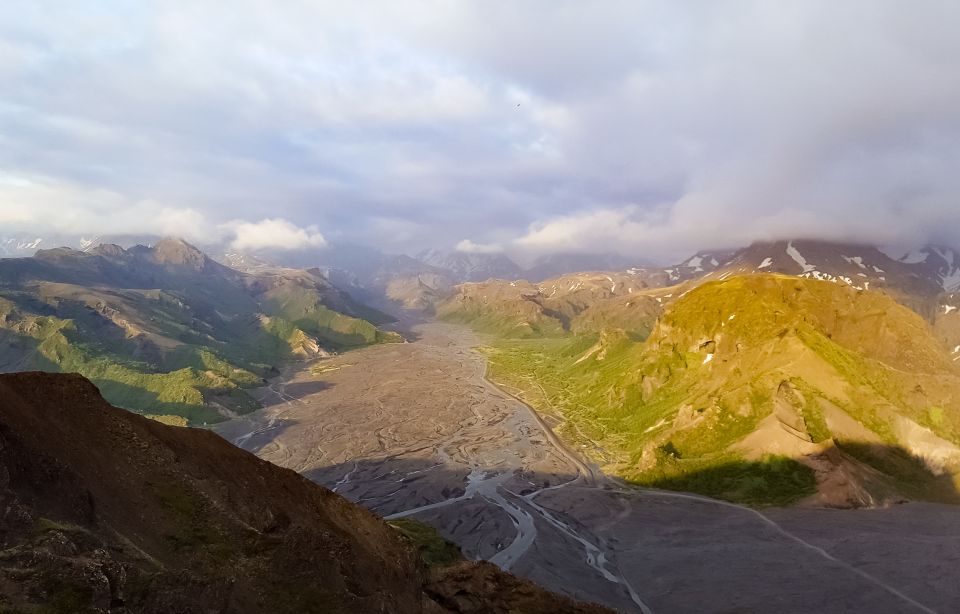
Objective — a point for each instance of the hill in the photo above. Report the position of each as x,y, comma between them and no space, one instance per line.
575,303
108,511
771,386
167,331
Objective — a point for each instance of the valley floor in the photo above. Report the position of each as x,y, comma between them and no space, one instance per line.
416,430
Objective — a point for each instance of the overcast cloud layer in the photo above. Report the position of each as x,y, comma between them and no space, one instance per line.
652,128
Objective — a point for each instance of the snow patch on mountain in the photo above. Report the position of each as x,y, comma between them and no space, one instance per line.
87,244
798,258
857,260
19,246
819,276
951,282
915,257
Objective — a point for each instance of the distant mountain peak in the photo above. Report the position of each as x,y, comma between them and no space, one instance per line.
471,267
110,250
177,252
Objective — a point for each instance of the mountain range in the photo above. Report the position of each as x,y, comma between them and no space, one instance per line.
168,331
840,358
711,375
790,372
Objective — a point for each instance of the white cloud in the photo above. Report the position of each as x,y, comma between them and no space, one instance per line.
51,205
174,222
469,247
747,118
273,233
714,221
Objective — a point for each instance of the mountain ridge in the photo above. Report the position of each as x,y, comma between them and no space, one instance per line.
168,331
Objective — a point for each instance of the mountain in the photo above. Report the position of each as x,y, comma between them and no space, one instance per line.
859,266
575,303
107,511
19,246
243,261
472,267
698,266
555,265
823,372
374,277
168,331
937,262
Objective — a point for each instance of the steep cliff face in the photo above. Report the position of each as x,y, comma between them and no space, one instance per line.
102,510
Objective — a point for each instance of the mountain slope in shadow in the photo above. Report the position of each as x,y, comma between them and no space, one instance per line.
106,511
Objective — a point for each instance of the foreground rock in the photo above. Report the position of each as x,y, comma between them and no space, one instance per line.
105,511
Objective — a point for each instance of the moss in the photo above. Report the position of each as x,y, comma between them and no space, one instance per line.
45,525
668,451
168,420
434,550
816,423
190,530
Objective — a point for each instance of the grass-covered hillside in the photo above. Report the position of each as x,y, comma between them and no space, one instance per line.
577,303
757,388
166,331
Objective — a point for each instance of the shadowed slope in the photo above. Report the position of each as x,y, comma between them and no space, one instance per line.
109,510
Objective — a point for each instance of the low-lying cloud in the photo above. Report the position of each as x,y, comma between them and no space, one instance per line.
647,127
469,247
275,234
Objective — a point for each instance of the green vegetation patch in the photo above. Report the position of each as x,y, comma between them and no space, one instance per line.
774,480
434,550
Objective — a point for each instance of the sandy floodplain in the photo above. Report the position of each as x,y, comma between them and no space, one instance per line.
416,430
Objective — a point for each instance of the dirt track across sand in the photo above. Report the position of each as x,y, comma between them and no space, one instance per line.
415,430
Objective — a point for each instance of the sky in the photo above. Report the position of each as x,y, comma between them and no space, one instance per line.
649,128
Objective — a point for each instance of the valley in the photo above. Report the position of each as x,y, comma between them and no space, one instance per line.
415,430
480,308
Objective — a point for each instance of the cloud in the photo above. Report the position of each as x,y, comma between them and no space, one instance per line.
693,124
469,247
68,208
273,233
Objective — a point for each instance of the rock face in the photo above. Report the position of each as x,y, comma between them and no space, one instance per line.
102,510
